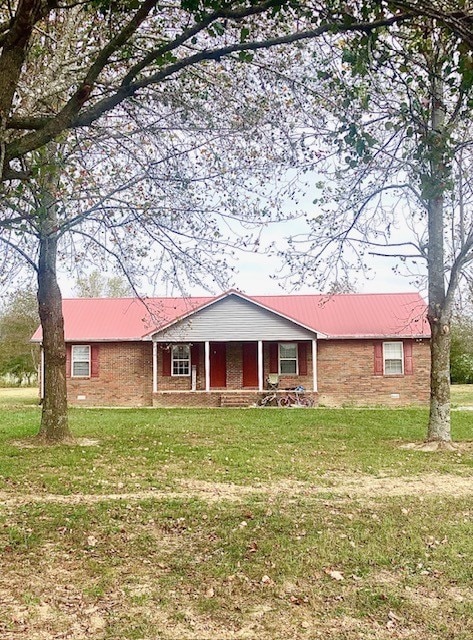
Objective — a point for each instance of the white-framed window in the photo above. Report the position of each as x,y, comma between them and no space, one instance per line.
288,358
393,357
181,360
80,361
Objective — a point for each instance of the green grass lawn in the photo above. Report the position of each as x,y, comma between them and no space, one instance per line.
259,523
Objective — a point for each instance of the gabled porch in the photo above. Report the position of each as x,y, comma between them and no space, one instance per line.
230,373
223,353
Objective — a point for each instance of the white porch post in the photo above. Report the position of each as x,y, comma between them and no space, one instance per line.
314,363
260,365
155,366
207,365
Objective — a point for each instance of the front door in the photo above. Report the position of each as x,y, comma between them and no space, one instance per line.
250,364
218,365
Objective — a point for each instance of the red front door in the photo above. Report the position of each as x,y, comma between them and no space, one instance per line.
218,365
250,364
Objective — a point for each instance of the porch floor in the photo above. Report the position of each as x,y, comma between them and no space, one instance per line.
215,398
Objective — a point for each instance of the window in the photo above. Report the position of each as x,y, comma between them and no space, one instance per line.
288,357
393,358
181,360
80,361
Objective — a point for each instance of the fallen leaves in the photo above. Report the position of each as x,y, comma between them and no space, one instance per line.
334,574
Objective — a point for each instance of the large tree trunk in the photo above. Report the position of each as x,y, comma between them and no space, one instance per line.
439,313
439,418
54,421
439,320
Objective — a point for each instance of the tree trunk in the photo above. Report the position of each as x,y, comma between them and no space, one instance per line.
54,421
439,418
439,313
439,320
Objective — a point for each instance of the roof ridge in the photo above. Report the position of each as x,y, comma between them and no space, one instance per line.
246,295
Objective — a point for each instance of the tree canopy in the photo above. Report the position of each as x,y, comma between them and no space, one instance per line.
123,49
18,321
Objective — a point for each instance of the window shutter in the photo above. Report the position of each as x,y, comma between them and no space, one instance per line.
68,360
166,361
378,359
408,364
302,357
94,360
195,351
273,357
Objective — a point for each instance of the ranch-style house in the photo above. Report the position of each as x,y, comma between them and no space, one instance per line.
348,349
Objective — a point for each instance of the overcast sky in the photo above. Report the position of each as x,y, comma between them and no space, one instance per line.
259,274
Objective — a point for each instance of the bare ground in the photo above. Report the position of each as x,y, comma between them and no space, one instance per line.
45,600
359,486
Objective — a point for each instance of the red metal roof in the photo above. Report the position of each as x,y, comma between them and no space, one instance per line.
355,315
337,316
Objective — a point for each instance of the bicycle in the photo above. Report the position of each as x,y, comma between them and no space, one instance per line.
296,399
270,399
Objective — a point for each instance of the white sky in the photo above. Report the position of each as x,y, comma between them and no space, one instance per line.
254,275
255,272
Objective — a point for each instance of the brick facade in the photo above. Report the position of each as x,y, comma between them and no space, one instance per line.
345,377
124,377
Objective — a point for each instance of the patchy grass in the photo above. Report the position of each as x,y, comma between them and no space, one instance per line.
18,396
195,524
462,395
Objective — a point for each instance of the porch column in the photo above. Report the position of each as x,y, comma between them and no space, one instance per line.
207,365
260,365
314,363
155,366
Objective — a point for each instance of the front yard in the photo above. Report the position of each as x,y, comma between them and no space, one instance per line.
258,523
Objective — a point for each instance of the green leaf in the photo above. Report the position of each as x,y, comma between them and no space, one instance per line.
244,33
245,56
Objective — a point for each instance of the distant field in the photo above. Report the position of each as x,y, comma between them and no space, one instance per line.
21,395
462,395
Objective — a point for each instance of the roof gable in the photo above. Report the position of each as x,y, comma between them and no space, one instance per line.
234,317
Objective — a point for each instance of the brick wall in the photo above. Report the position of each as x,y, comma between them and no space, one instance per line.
124,377
186,399
346,375
287,381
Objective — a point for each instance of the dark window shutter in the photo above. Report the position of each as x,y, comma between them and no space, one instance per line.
302,357
166,361
94,360
273,357
378,359
195,352
408,364
68,360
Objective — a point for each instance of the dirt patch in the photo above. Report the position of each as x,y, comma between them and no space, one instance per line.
431,447
359,486
365,486
35,444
